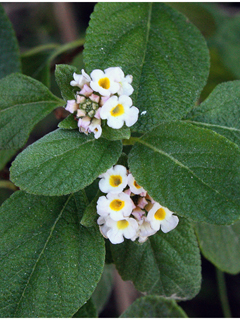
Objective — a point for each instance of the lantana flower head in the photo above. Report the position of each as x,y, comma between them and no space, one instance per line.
133,185
103,83
119,110
114,180
117,205
161,217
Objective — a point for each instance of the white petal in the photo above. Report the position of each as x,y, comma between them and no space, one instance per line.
115,123
169,224
103,206
115,236
132,116
96,74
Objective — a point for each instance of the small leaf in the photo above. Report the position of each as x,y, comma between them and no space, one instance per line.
88,310
69,123
50,263
190,170
115,134
154,307
220,112
63,162
23,103
167,56
9,53
166,264
90,215
64,75
220,245
104,287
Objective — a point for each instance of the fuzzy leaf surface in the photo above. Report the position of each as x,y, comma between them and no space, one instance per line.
63,162
167,264
88,310
68,123
50,263
164,52
9,53
23,103
64,75
154,307
220,245
190,170
221,111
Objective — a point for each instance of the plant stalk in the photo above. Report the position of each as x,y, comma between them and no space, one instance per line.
223,293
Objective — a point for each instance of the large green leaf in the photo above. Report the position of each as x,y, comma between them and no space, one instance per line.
64,75
50,264
9,53
154,307
221,111
168,264
193,171
5,156
166,55
63,162
23,103
220,245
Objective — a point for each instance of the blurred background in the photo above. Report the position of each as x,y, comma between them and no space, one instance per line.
50,33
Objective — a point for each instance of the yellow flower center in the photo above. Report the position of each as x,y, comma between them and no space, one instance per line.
160,214
118,110
115,181
136,185
104,83
122,224
117,204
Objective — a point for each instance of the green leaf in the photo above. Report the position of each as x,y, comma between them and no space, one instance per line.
104,288
23,103
220,245
37,62
115,134
50,263
69,123
220,112
63,162
190,170
166,55
88,310
5,156
154,307
227,43
9,53
167,264
90,215
198,14
64,75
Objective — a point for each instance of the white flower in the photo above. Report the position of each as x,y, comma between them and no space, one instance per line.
117,110
134,187
80,79
122,228
161,217
71,106
118,206
103,83
96,128
145,230
83,124
114,180
125,82
102,226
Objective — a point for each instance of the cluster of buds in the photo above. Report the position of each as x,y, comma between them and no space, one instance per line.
104,95
127,211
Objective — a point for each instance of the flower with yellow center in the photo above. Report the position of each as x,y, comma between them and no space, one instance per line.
95,127
102,83
133,185
116,205
161,217
116,231
125,82
114,180
119,110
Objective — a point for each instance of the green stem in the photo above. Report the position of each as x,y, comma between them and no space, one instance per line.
7,185
223,294
131,141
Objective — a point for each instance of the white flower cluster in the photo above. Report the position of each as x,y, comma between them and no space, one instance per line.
127,210
104,95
